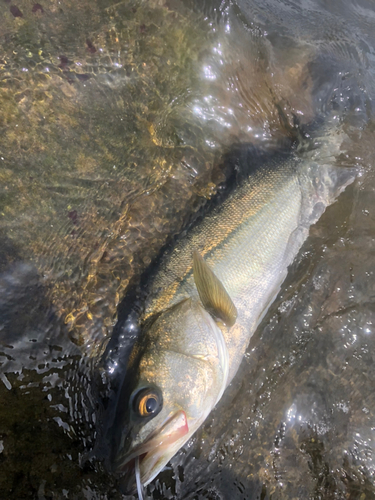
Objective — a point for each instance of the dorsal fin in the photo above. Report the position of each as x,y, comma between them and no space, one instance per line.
212,293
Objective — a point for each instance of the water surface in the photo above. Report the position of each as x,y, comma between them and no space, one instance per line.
116,122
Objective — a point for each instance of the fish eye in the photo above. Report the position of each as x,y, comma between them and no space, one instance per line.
147,402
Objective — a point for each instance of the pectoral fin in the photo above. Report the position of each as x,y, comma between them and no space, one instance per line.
212,293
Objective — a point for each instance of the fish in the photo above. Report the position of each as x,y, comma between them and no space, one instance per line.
207,298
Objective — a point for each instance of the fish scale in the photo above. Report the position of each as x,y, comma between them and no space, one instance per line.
246,242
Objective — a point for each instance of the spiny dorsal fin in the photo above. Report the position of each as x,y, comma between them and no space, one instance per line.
212,293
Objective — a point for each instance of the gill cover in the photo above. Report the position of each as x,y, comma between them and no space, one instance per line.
178,373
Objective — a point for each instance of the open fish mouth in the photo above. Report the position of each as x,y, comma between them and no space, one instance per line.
155,452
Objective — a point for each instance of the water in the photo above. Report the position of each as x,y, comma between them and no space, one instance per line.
115,119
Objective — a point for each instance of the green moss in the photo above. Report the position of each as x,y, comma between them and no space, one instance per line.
94,104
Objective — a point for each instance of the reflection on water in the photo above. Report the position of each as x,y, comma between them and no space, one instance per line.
114,120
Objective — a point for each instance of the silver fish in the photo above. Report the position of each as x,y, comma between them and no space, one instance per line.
207,299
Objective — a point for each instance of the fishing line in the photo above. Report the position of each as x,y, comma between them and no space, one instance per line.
138,479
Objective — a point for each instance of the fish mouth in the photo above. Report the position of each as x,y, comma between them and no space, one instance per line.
155,452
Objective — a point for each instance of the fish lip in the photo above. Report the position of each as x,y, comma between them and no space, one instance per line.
153,449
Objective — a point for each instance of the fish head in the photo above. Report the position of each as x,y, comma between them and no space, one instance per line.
177,372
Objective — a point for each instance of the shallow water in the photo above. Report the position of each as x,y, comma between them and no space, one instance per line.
115,119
